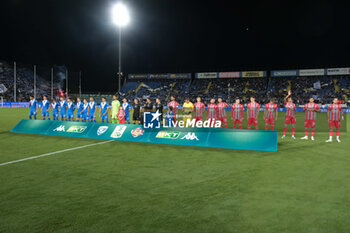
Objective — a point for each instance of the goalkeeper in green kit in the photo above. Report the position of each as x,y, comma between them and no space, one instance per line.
115,109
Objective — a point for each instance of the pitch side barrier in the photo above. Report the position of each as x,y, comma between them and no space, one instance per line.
259,140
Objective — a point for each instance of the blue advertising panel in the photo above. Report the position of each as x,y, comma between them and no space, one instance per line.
284,73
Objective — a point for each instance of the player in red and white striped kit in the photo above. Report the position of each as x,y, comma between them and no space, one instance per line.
253,113
270,114
290,114
237,114
334,115
222,112
310,120
199,109
212,111
175,106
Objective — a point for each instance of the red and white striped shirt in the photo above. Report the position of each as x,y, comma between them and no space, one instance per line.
237,111
175,106
291,108
222,110
199,108
253,109
270,111
335,111
311,115
212,111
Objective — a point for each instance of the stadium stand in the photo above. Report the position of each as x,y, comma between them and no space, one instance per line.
322,88
24,83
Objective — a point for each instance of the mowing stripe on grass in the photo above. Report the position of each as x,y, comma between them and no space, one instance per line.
53,153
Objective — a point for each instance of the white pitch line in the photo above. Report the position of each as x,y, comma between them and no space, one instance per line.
53,153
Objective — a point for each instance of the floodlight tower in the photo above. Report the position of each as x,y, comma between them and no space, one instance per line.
121,18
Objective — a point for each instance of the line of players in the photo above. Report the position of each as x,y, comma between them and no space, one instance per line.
86,111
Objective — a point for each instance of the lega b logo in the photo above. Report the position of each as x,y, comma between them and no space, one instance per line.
151,120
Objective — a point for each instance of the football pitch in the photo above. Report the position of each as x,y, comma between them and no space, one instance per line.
135,187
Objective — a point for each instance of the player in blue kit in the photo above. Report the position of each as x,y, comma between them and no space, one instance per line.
54,106
126,108
104,110
85,112
45,108
170,117
71,108
63,109
33,105
92,110
79,107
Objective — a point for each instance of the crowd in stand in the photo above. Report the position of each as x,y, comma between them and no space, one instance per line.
323,89
24,83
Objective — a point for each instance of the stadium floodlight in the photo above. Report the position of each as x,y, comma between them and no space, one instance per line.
120,14
121,18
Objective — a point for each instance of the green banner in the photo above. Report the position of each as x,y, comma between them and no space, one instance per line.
204,137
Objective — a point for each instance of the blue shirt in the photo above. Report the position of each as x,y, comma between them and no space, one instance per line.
71,108
126,107
63,106
79,106
104,107
46,105
33,104
54,106
85,109
92,106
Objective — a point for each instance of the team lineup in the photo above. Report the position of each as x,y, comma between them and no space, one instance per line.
120,112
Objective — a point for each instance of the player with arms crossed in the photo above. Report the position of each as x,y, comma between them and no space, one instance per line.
253,113
310,120
270,114
71,108
45,108
222,112
63,109
33,105
92,110
290,114
79,107
212,111
126,108
334,115
199,109
237,114
104,110
115,109
175,106
55,110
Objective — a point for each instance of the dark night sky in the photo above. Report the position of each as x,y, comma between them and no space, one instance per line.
175,36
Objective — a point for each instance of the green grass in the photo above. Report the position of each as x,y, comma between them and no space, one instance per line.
135,187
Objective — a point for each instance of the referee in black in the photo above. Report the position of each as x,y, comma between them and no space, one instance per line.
136,116
159,108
